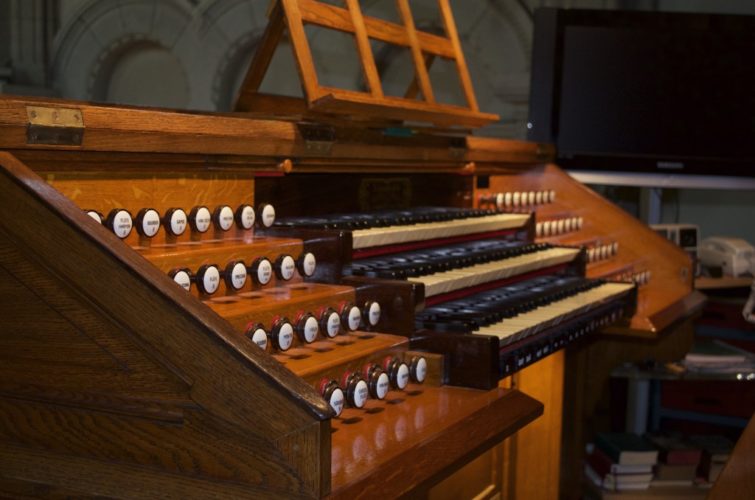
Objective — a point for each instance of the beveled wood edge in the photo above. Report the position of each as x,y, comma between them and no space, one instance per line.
491,153
130,129
213,325
660,322
348,102
453,448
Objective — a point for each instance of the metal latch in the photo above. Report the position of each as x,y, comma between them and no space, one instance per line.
319,138
458,147
54,126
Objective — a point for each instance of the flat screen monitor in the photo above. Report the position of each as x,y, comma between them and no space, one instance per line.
641,91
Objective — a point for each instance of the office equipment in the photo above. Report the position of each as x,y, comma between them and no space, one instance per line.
732,256
605,92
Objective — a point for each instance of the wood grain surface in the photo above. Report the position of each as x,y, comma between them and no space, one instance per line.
737,479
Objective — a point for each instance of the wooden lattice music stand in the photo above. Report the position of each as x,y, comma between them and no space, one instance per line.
418,104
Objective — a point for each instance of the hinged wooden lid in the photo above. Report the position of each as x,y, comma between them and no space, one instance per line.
418,104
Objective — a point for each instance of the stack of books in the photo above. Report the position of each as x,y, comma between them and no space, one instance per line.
716,450
621,461
678,460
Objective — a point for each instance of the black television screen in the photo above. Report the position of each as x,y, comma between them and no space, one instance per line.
645,91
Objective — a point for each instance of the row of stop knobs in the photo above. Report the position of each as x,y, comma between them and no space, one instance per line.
373,381
308,327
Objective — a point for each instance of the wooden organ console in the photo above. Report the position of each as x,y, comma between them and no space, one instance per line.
204,305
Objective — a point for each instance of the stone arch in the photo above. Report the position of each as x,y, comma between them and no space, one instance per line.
87,51
142,72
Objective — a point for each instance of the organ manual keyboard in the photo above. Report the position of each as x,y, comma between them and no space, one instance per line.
161,335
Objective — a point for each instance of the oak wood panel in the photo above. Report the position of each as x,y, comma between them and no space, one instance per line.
223,252
86,362
430,433
480,479
353,103
104,191
47,474
234,140
737,479
538,446
195,346
262,306
346,352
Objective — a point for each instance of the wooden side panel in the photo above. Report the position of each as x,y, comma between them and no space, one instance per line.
536,469
434,431
738,477
479,479
172,389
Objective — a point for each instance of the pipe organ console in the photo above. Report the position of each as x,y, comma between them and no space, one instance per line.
204,314
189,310
198,305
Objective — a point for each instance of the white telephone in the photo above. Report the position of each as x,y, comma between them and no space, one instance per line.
734,256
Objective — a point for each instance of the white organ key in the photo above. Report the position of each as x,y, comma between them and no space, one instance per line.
531,322
456,279
379,236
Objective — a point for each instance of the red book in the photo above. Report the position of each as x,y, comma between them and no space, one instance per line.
675,451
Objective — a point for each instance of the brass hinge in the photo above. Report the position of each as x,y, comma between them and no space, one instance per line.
54,126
